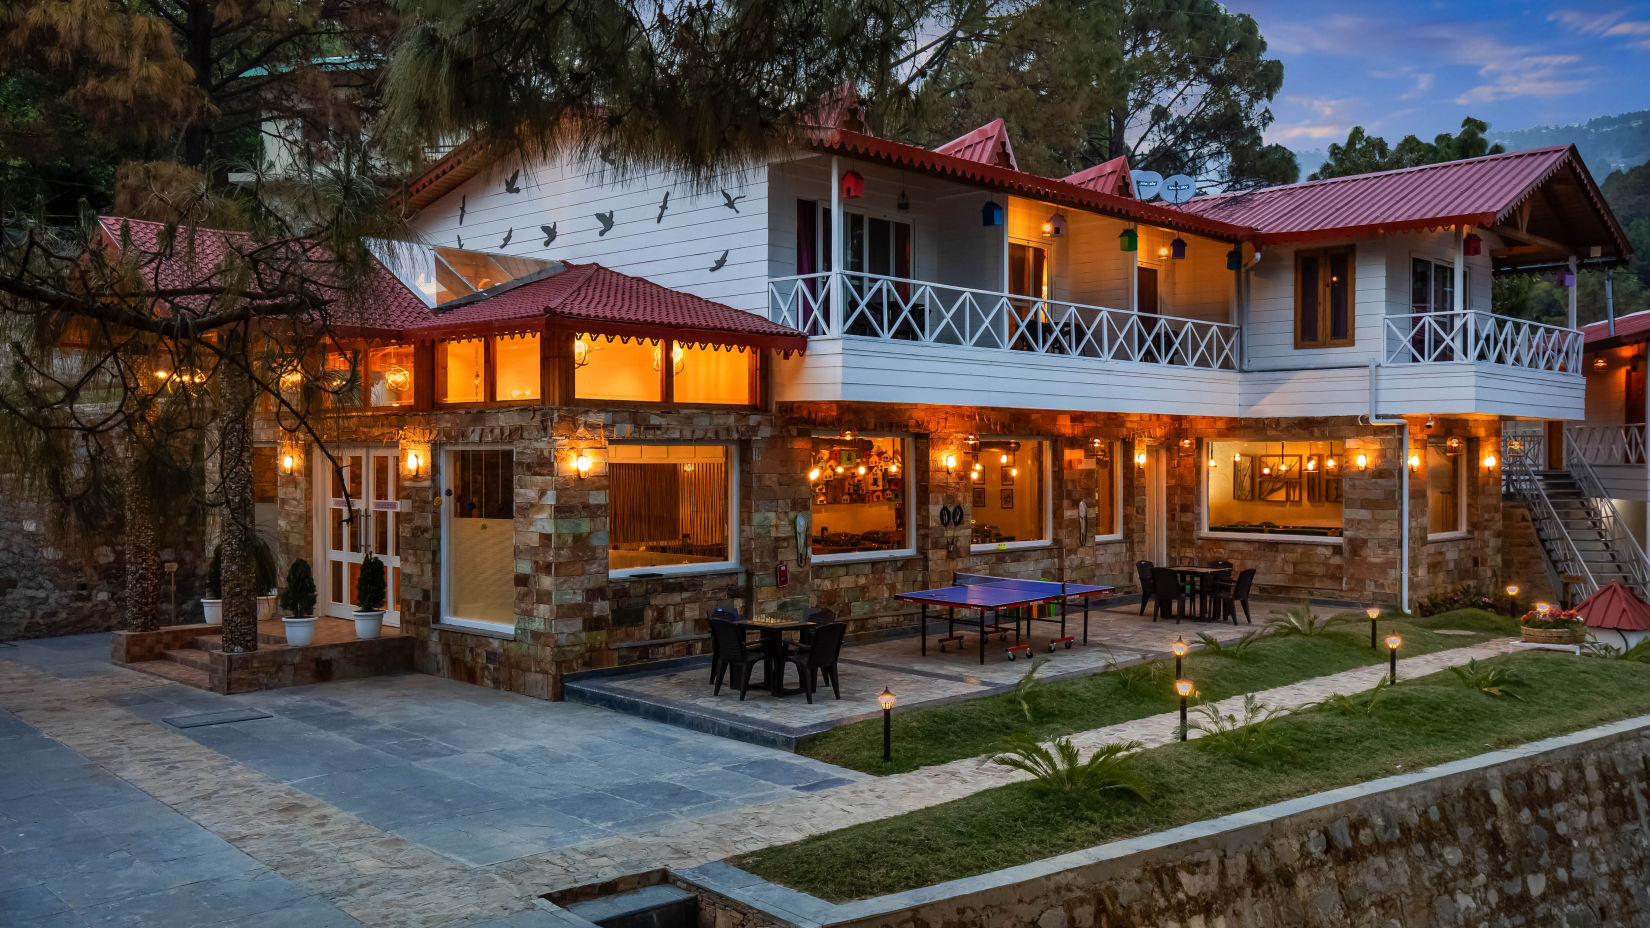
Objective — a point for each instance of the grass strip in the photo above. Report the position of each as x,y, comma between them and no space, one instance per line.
1418,723
969,728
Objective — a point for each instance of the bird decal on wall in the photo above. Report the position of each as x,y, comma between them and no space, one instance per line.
606,219
507,233
460,240
729,200
549,234
463,207
510,185
720,262
663,205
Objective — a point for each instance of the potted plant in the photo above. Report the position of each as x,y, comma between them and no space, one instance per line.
1546,625
369,598
298,602
212,604
266,571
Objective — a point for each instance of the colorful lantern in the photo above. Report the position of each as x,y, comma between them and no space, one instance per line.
1054,226
853,186
1234,259
1472,246
1177,248
1128,240
991,214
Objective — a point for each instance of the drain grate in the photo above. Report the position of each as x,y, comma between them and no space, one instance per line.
216,718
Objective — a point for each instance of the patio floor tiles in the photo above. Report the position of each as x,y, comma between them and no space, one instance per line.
780,772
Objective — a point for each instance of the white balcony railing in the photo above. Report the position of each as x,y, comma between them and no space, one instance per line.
896,309
1430,338
1605,445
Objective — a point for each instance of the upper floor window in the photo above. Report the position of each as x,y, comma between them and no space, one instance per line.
1432,286
1325,314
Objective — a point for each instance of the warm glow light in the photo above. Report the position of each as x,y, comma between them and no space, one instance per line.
1003,459
1330,463
1312,464
1544,608
678,356
687,468
1163,252
886,699
286,464
1393,642
1512,589
974,475
1236,457
581,352
397,378
1373,613
1211,460
839,468
1266,471
1179,647
1140,458
1363,461
582,463
1600,363
813,475
1014,472
162,375
950,462
291,379
862,470
893,468
1489,460
1414,461
414,462
1183,687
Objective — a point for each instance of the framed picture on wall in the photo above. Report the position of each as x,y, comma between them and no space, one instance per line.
1280,478
1008,477
1243,478
979,497
1005,499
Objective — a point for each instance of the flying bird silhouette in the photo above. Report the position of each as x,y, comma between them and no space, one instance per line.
460,240
720,262
507,233
663,205
463,207
729,200
510,185
606,219
549,234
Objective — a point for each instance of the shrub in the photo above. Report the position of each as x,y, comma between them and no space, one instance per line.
1355,704
1244,737
1465,596
1060,770
298,599
1639,652
1136,678
1236,648
1029,691
1487,679
369,587
1296,620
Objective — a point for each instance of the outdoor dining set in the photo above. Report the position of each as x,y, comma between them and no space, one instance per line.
1195,591
814,653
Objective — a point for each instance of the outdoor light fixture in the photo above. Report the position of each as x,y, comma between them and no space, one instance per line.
1184,688
1512,599
1489,459
1054,226
1374,613
1393,642
286,464
1454,444
1415,462
1140,459
950,463
581,463
414,462
1163,252
1512,590
1363,461
1600,363
886,700
1179,649
1543,608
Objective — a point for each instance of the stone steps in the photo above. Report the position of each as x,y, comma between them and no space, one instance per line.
189,657
177,673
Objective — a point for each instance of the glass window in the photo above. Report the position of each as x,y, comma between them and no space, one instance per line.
460,367
390,376
1275,488
668,506
1108,509
1010,498
1446,509
859,495
340,381
1324,298
516,368
713,375
627,371
480,520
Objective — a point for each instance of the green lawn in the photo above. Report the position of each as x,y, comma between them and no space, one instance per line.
970,728
1416,724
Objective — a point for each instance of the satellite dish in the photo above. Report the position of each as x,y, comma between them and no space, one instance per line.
1178,188
1147,184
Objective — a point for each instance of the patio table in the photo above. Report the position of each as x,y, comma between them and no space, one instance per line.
772,630
1184,571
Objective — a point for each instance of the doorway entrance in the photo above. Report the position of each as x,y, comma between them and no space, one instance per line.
1157,546
360,510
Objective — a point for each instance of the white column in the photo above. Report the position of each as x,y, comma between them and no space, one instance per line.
838,310
1463,328
1574,285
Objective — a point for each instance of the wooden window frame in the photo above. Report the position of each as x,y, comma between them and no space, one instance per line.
489,371
667,388
1324,340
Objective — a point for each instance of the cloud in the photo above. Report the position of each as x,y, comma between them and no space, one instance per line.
1300,131
1612,24
1528,76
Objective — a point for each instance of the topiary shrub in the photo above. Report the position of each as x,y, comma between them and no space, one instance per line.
370,587
298,599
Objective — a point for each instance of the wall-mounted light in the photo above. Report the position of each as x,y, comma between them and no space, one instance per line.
581,464
414,462
1212,461
1237,456
849,435
1600,363
1014,472
1363,462
1003,458
1163,251
1185,443
1489,459
1453,444
1140,459
950,463
1415,462
287,463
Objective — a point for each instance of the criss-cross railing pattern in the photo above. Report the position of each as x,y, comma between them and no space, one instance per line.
893,308
1430,338
1609,444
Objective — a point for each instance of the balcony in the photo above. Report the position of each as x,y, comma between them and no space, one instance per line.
922,312
1471,335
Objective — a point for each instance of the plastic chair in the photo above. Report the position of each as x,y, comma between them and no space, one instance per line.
1166,586
821,617
735,657
1147,590
722,614
1232,593
813,660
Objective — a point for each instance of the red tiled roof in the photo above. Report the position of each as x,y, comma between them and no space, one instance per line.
1106,177
1634,327
1615,607
988,145
1477,191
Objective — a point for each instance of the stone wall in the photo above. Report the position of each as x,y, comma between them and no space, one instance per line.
1522,561
1555,833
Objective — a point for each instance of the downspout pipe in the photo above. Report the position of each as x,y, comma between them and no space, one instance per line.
1403,484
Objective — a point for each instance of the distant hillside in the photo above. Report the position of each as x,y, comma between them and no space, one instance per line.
1608,143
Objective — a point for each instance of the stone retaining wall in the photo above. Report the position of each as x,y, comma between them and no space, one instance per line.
1555,833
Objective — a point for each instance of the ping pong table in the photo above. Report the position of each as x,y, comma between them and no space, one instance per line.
989,597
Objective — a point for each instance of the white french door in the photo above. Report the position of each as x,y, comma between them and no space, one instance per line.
366,486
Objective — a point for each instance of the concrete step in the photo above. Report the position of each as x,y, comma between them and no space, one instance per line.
189,657
658,906
207,643
177,673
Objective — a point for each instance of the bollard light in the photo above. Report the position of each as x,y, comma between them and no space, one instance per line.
886,700
1374,613
1393,642
1512,599
1184,688
1179,649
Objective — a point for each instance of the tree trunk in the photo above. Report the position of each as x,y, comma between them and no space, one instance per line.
142,558
240,605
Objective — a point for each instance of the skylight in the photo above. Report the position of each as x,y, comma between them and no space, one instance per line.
441,275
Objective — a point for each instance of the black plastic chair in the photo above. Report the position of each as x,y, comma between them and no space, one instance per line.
734,658
1231,593
820,616
1208,588
1147,590
722,614
1167,591
813,660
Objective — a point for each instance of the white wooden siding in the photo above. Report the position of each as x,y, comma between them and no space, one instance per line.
1439,389
1270,333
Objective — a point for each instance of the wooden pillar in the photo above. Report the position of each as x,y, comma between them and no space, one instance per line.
1574,285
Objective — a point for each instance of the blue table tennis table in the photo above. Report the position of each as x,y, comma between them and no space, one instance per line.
989,597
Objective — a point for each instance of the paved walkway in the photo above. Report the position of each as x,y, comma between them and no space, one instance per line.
404,801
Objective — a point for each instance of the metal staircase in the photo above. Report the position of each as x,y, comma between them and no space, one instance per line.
1580,532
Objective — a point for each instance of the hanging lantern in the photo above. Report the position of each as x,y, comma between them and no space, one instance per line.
904,204
1566,279
1128,240
853,186
1234,259
1472,246
991,214
1177,248
1054,226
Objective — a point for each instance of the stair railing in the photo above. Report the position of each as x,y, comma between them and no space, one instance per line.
1624,548
1557,547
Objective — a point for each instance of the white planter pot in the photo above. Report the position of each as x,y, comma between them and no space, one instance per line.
267,608
213,608
369,624
300,630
